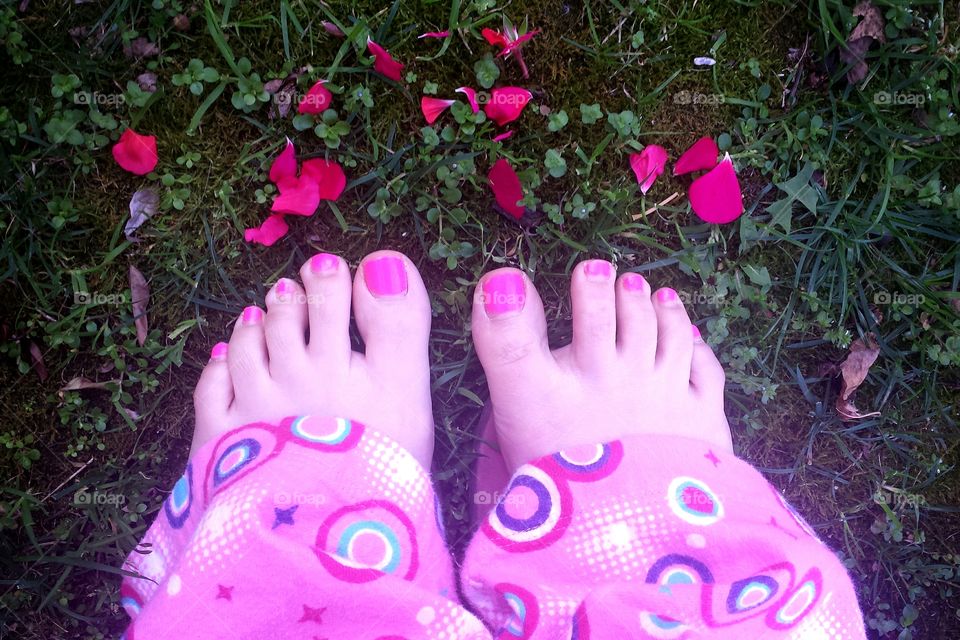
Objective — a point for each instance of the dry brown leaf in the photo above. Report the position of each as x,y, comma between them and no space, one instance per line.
141,48
140,300
854,370
36,356
870,29
78,383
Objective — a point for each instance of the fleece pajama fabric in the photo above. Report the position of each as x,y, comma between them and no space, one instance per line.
321,529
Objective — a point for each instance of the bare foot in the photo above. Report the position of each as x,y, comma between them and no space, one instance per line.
636,365
271,370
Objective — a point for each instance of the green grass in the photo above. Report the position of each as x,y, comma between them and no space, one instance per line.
781,293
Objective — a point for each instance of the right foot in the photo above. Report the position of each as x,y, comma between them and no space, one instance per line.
636,365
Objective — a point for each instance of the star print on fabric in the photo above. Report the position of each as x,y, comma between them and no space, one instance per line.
711,456
283,516
312,615
224,592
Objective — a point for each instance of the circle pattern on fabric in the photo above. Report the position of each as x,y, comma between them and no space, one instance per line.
526,613
658,626
365,541
692,501
533,513
177,505
332,434
580,628
234,459
679,569
798,602
588,463
750,593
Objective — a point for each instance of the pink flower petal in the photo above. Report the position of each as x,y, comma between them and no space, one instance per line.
317,100
433,107
328,175
136,153
299,196
519,42
285,164
506,104
503,136
494,37
383,62
506,188
702,155
332,29
434,34
471,97
272,229
715,196
648,165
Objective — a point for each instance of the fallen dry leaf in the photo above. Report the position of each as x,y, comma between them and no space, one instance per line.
78,383
870,29
147,82
143,205
36,356
141,48
863,353
140,300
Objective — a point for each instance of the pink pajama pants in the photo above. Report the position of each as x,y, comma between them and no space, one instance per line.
322,529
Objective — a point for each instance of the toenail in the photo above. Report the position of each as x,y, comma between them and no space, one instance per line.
386,276
219,351
598,270
283,287
503,293
667,295
252,315
697,337
324,263
634,282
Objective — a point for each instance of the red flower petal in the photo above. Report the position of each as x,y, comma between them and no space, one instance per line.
715,196
503,136
434,34
506,188
299,196
471,97
506,104
433,107
383,62
136,153
328,175
272,229
285,165
495,38
317,100
648,165
702,155
519,42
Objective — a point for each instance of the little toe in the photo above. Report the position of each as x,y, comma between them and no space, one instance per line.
212,398
706,373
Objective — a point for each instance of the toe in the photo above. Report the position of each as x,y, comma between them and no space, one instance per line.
636,320
212,397
247,355
706,373
326,279
285,329
594,314
674,336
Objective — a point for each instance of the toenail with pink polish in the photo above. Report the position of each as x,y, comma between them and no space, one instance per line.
324,263
598,270
252,315
385,276
283,287
667,295
697,337
634,282
219,351
503,293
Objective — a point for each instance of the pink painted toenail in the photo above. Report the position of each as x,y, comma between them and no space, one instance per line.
697,337
667,295
283,286
386,276
504,293
598,270
219,351
634,282
324,263
252,315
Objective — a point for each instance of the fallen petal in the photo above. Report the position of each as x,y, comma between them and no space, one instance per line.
503,136
328,175
518,42
648,165
471,97
332,29
702,155
272,229
383,62
704,61
433,107
136,153
716,196
285,165
494,37
506,188
143,205
300,196
139,302
434,34
317,100
506,104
